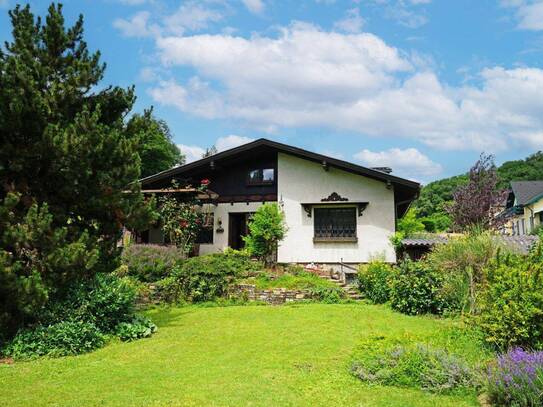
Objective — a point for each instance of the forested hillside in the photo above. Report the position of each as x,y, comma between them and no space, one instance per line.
435,195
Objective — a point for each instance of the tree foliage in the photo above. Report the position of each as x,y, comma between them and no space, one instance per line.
472,202
437,195
266,229
65,163
156,149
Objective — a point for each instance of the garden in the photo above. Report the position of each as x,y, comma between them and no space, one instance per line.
87,322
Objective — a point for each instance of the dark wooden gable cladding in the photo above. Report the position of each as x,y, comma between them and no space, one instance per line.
229,177
405,191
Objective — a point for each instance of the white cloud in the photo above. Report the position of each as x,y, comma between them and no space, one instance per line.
136,26
409,162
191,16
193,153
405,16
307,77
254,6
529,13
352,23
133,2
231,141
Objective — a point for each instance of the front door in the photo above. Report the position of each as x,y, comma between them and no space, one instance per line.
237,229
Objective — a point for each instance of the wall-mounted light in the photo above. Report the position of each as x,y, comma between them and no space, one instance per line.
220,229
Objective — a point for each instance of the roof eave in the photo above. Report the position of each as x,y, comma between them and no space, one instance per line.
344,165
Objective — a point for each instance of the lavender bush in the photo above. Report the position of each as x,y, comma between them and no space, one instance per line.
417,366
149,263
516,379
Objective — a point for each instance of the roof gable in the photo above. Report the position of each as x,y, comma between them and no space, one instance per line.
526,191
284,148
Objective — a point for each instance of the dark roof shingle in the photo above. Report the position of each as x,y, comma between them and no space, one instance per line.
525,191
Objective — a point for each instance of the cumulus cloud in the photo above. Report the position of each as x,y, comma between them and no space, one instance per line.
136,26
409,162
191,16
307,77
254,6
528,13
133,2
193,152
352,23
231,141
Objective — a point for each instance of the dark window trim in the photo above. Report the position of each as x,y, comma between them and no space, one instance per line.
251,183
342,228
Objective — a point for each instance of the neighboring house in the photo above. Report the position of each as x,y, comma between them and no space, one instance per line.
524,208
417,247
335,211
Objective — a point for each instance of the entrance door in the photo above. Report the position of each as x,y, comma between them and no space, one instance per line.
237,229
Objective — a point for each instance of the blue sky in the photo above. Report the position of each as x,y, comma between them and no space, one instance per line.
423,86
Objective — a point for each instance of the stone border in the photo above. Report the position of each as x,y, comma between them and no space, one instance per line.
273,296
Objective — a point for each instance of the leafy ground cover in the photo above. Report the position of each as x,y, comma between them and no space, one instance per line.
257,355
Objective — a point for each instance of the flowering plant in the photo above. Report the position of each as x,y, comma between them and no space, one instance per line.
181,220
516,379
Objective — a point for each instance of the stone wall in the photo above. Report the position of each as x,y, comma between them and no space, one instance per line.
271,296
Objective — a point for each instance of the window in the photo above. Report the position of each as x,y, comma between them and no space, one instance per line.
261,176
335,224
523,227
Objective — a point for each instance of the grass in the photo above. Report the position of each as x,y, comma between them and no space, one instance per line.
292,281
296,355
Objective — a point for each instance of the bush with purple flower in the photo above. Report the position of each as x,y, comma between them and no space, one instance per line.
516,379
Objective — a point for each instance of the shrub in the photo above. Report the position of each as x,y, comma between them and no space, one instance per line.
328,295
105,301
415,289
266,229
462,261
81,320
206,278
511,306
516,379
416,366
150,263
139,327
60,339
374,281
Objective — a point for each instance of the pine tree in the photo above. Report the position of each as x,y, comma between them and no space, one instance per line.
66,158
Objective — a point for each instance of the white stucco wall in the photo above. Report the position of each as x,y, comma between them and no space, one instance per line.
305,181
221,211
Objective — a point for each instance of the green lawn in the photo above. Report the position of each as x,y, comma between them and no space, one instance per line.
294,355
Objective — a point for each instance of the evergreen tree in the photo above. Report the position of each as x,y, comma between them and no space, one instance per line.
66,160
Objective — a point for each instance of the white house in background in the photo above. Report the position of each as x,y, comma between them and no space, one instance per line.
336,212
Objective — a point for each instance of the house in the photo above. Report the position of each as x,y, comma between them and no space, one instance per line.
524,208
336,212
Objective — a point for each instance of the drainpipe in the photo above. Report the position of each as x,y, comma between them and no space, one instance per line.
531,219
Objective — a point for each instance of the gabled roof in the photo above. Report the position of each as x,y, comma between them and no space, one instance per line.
526,191
284,148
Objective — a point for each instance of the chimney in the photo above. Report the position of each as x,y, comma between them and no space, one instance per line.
386,170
